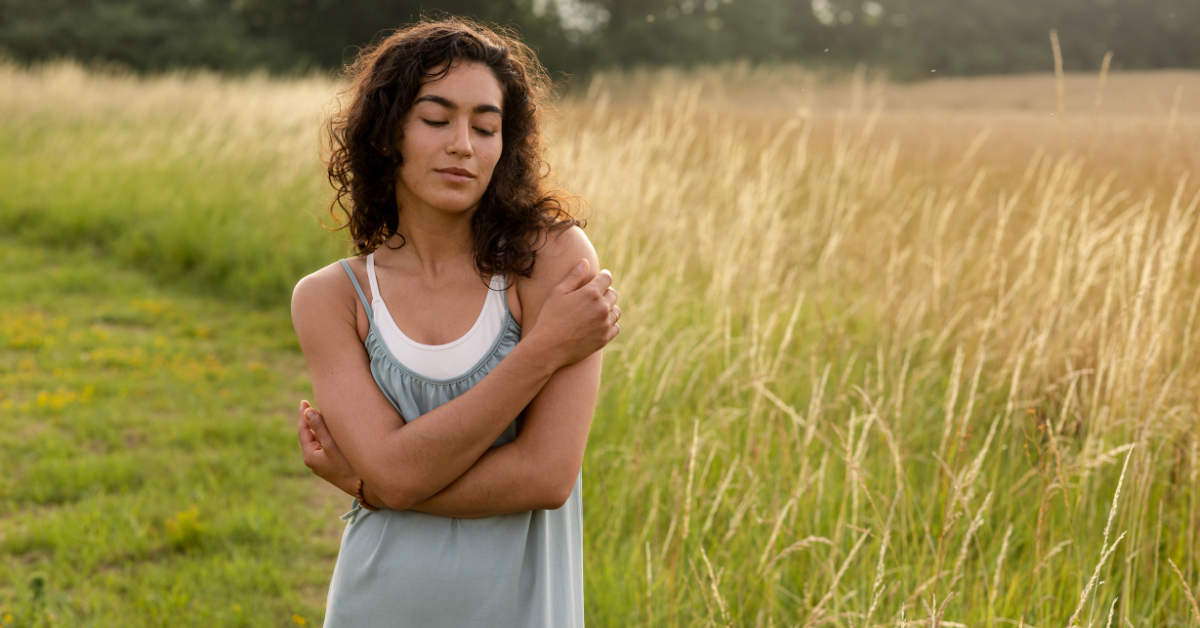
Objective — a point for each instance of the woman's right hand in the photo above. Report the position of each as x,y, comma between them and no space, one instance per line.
321,453
578,319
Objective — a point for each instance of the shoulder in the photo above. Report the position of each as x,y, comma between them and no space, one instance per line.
324,294
558,251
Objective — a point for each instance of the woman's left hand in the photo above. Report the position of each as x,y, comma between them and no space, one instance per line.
321,454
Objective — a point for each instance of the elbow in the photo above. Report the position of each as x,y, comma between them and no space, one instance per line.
396,497
554,493
398,501
557,500
551,501
551,479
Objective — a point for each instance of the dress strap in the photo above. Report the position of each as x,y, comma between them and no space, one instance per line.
371,278
504,298
357,288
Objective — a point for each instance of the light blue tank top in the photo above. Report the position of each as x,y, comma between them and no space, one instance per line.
410,569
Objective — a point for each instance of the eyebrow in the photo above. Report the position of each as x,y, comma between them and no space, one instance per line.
453,106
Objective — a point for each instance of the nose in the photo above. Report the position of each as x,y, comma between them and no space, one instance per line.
460,141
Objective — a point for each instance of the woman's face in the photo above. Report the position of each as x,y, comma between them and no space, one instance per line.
451,140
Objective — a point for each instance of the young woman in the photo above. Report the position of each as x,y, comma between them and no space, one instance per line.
455,359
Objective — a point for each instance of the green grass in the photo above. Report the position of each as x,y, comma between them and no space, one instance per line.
150,470
209,222
844,394
228,199
151,473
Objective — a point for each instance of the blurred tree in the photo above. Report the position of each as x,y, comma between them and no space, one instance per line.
910,37
328,33
984,36
282,35
702,31
141,34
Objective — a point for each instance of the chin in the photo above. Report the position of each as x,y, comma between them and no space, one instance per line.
445,198
456,203
454,208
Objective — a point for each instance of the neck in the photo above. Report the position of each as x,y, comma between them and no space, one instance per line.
436,243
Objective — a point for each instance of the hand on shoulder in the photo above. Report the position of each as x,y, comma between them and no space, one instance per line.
568,303
561,250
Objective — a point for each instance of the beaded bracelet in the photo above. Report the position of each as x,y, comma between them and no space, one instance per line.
363,500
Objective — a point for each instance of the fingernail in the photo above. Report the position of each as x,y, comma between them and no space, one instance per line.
580,266
310,414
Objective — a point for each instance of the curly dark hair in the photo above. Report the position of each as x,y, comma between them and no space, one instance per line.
518,208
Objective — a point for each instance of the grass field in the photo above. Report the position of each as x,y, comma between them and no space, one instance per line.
891,354
149,478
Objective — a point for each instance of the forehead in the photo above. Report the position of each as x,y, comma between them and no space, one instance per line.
467,84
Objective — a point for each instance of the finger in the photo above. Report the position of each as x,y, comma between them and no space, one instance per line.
602,281
575,277
302,428
316,423
614,315
610,297
308,441
304,406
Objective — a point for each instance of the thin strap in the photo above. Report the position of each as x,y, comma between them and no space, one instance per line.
362,297
371,278
504,298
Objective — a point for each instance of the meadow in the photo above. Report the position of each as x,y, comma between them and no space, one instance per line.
891,354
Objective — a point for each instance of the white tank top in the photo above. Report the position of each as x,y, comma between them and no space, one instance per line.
449,360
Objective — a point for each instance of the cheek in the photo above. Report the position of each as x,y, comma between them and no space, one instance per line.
415,155
490,154
414,147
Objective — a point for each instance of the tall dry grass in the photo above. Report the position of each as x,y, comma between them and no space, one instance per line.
893,388
931,365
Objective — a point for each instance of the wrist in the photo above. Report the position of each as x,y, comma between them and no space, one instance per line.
360,493
348,483
538,355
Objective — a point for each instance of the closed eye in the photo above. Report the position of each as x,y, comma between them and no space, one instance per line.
434,122
485,132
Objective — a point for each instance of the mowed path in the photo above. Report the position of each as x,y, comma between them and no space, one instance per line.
149,471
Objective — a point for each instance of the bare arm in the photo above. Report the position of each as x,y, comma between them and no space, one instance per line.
406,464
537,470
534,472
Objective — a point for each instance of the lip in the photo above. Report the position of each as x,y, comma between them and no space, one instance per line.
455,175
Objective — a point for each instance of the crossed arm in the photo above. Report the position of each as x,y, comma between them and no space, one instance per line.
442,464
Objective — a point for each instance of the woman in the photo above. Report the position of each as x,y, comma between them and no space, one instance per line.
462,446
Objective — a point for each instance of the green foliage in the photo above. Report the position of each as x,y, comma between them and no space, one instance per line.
909,37
140,34
980,37
674,33
281,35
327,34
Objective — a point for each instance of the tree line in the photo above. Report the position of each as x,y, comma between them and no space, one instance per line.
909,37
